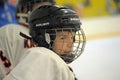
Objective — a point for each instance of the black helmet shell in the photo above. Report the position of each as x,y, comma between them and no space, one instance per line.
50,17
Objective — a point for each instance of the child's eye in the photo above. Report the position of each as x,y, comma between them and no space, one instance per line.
62,38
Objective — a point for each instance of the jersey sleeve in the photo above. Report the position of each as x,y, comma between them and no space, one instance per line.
41,65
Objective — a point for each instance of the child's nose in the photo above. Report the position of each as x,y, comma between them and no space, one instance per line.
70,43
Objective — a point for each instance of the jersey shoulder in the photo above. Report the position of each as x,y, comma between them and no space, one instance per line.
46,53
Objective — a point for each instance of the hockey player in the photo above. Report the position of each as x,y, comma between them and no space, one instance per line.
60,39
25,7
12,45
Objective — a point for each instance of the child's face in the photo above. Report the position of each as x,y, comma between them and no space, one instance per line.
63,43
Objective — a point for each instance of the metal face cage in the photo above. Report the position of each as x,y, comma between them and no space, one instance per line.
79,41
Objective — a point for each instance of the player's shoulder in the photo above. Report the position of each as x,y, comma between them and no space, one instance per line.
40,50
13,29
49,57
12,26
44,52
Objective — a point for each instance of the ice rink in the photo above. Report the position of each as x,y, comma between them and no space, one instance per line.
101,58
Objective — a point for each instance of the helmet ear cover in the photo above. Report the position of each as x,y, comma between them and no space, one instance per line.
39,38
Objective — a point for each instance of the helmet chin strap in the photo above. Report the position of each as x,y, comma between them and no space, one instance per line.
67,58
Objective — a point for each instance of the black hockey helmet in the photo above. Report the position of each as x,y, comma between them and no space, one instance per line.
28,4
46,20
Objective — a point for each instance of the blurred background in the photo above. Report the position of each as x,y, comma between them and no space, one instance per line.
101,23
89,8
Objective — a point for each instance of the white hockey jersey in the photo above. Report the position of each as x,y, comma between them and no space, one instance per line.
12,47
41,64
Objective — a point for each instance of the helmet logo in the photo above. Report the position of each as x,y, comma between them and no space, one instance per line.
42,24
74,19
